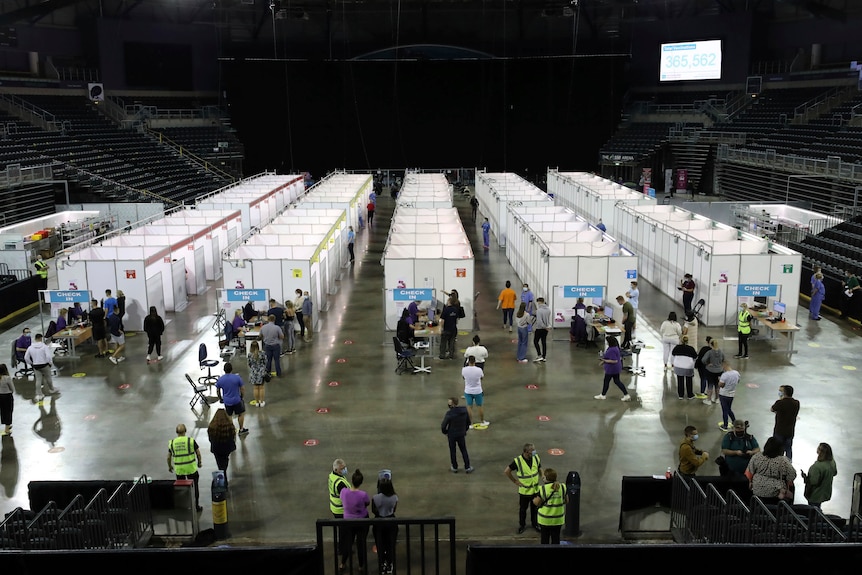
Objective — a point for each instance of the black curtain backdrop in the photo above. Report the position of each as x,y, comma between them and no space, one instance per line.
513,115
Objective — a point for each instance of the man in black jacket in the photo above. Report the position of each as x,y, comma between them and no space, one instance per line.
455,424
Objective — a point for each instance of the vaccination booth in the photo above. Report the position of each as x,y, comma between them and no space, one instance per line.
671,242
593,197
339,190
301,249
497,191
427,249
562,257
259,199
422,190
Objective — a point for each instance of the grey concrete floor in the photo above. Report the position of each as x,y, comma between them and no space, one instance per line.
115,421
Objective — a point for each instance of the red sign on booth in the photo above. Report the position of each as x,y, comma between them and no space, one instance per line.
130,274
460,272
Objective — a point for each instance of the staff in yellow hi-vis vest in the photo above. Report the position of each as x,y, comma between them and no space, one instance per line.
551,501
41,272
526,469
743,329
182,453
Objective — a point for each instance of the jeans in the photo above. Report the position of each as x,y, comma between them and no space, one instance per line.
289,336
273,353
44,382
350,249
788,444
154,342
628,327
301,324
525,501
523,335
508,313
195,477
540,340
726,412
461,442
359,534
684,385
447,344
385,537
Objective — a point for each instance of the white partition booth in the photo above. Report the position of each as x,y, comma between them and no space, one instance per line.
554,250
301,249
341,191
425,191
593,197
219,227
497,191
672,242
427,248
259,199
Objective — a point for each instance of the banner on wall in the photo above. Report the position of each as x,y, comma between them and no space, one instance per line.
681,180
68,296
757,290
244,295
418,294
646,180
583,291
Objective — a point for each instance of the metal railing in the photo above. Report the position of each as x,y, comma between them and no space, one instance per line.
182,151
834,168
27,111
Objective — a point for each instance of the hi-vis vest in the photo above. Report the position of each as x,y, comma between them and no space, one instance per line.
183,455
528,475
743,322
553,510
41,269
336,484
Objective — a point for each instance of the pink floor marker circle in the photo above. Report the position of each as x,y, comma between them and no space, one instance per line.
90,417
334,384
322,410
341,360
531,386
543,418
752,385
514,341
556,451
124,386
57,449
310,442
348,342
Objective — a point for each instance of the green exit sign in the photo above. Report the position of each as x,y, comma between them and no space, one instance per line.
788,268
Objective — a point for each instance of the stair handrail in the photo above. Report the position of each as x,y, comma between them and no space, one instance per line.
126,187
27,111
205,164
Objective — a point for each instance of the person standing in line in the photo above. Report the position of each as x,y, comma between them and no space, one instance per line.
473,392
726,392
229,388
121,305
737,448
306,317
222,436
486,234
455,424
383,505
551,502
100,330
786,409
743,329
39,356
818,480
700,367
690,457
449,329
271,336
542,325
351,240
687,286
713,363
355,503
670,332
506,302
818,294
154,327
7,398
109,303
523,320
634,295
474,207
682,357
276,311
613,365
289,333
526,468
297,305
770,473
118,337
257,374
601,226
478,351
629,320
527,298
689,327
182,453
370,207
336,482
850,287
41,272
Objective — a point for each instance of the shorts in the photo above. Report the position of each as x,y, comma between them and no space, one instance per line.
235,409
99,334
118,339
479,398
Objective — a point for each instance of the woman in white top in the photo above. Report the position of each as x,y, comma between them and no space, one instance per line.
670,332
480,352
523,320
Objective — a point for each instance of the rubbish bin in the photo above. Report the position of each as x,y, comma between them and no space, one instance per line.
573,508
219,504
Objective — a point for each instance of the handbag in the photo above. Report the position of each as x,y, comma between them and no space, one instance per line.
787,492
267,377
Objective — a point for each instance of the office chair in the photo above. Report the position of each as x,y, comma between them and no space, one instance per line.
198,395
404,357
209,378
22,369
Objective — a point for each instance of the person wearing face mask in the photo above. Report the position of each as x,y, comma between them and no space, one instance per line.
690,457
524,472
527,298
737,447
337,482
785,409
743,329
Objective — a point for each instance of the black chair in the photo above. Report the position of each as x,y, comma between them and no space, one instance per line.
199,390
209,378
404,356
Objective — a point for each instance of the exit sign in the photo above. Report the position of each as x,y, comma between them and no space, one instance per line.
788,268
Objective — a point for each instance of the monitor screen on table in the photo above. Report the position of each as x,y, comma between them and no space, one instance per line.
779,307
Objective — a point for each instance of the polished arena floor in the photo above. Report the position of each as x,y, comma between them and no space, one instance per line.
340,397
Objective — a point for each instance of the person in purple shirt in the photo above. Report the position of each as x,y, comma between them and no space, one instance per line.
355,503
61,320
613,363
413,312
238,321
229,388
22,343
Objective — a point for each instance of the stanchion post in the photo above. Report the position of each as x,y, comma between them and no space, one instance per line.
219,505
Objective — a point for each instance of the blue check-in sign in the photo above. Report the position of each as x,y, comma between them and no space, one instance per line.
68,296
410,294
246,295
583,291
757,290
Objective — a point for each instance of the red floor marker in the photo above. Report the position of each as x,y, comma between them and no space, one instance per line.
124,386
310,442
348,342
322,410
543,418
531,386
333,384
341,360
90,417
556,451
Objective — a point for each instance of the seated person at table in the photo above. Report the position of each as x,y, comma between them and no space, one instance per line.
404,330
589,319
249,313
77,314
61,319
238,322
580,304
578,329
413,312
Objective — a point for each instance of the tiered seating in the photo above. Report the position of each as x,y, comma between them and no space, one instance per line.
792,139
846,144
770,111
638,138
201,141
835,249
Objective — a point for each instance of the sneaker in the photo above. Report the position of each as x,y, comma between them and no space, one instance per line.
38,399
253,402
707,402
543,359
261,403
724,428
510,329
119,359
523,360
469,470
715,401
626,397
149,358
538,359
737,356
700,395
160,358
600,396
453,469
504,326
744,357
243,431
486,422
521,529
113,360
680,397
